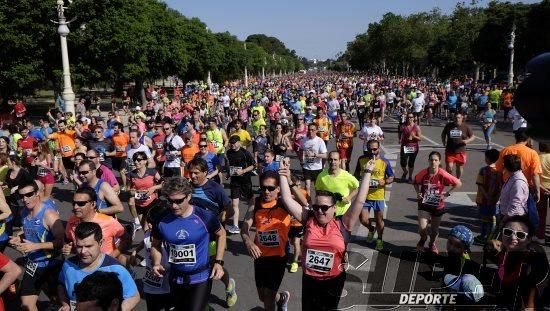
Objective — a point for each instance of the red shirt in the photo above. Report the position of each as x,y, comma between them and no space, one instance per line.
4,260
432,187
158,146
19,109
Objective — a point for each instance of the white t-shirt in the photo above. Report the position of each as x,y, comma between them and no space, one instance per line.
177,143
151,283
370,132
333,107
418,104
317,145
130,154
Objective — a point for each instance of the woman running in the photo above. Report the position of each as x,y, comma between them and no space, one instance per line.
409,147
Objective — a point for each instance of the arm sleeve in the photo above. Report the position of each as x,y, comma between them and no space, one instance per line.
389,170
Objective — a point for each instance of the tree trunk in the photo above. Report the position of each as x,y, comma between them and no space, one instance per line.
140,91
476,71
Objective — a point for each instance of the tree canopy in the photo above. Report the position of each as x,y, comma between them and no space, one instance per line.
117,41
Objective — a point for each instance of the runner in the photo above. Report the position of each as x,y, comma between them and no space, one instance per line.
144,183
172,150
107,201
315,150
455,136
120,142
105,172
41,241
370,131
381,175
185,232
345,131
90,259
272,224
488,121
409,147
325,240
429,185
65,141
336,180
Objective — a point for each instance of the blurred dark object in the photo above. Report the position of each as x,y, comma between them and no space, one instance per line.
532,97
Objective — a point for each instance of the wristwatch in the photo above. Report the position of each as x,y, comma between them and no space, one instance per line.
219,262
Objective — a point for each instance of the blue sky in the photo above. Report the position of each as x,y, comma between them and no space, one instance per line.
314,28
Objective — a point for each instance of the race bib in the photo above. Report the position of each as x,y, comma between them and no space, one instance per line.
141,195
214,143
488,120
42,172
66,148
28,152
319,261
455,133
431,199
373,184
101,157
309,159
233,170
279,158
30,267
409,149
72,304
119,148
182,254
269,238
151,279
171,157
376,109
159,145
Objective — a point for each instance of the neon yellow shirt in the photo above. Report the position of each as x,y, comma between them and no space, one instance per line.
343,183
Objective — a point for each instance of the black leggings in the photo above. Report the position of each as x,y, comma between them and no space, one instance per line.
158,302
407,159
322,294
190,297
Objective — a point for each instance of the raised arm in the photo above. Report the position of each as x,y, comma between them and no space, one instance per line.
352,215
293,207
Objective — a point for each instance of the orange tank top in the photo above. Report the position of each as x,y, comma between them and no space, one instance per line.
272,223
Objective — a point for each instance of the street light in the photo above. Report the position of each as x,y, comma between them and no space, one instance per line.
511,47
63,31
245,69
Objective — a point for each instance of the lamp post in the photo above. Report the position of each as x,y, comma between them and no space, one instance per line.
511,47
245,69
63,31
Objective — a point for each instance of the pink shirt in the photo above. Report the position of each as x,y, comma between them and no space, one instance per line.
514,195
108,176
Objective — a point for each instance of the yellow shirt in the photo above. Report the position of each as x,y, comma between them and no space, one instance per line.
343,183
545,176
382,170
243,135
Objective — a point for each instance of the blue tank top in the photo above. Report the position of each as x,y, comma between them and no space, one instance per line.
35,231
100,204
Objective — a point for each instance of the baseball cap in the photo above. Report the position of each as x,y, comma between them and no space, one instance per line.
138,108
464,234
467,285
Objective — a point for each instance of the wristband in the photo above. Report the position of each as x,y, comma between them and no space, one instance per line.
368,171
219,262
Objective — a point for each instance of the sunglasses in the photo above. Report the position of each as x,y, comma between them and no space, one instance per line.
507,232
83,172
91,158
203,146
138,160
80,203
324,208
167,128
373,149
268,188
176,201
98,132
28,194
333,160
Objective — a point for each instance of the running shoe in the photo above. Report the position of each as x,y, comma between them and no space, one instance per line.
230,293
136,226
379,245
434,249
370,236
283,301
293,267
233,229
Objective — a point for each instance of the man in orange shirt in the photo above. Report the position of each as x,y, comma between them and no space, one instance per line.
188,152
115,239
530,161
120,140
65,141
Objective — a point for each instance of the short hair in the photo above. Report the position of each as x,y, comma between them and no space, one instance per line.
269,175
198,163
177,184
372,141
86,229
29,184
336,197
435,153
89,191
521,135
61,122
90,164
94,151
271,152
544,147
80,154
102,287
134,131
119,125
512,163
523,219
492,155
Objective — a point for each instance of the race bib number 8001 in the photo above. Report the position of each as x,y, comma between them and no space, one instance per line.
182,254
319,261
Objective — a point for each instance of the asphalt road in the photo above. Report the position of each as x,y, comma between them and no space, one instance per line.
372,276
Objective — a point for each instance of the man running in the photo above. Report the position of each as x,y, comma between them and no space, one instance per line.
455,136
107,201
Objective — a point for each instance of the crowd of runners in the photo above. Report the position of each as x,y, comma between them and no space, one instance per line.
166,160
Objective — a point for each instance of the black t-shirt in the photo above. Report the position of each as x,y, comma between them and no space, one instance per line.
455,136
240,158
23,177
